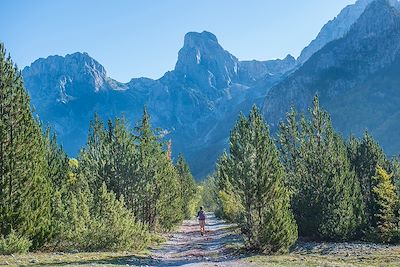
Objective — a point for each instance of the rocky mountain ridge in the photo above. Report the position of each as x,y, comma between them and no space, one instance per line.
356,78
196,103
338,27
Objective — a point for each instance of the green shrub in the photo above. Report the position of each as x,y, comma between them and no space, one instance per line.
14,243
113,227
107,225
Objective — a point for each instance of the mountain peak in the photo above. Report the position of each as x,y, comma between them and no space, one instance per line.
193,38
290,58
76,62
66,74
202,41
204,63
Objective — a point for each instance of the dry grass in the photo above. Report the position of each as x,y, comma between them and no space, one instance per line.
386,258
70,259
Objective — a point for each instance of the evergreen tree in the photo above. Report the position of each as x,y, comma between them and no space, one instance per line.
385,200
149,152
365,155
187,186
168,208
253,170
71,210
57,160
158,201
111,157
327,201
230,206
123,153
94,158
24,186
395,168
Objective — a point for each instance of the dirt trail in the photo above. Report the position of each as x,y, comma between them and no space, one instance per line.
187,247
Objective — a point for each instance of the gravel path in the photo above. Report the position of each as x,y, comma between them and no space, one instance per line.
187,247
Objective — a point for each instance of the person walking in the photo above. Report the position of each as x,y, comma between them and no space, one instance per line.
201,215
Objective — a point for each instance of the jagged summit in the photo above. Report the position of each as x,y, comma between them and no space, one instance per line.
194,38
74,61
66,77
203,62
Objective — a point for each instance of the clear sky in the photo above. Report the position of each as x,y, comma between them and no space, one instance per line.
142,38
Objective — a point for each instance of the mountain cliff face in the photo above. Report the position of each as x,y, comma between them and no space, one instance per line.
203,62
356,78
196,103
338,27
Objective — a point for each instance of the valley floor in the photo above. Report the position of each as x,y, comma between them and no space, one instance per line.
219,247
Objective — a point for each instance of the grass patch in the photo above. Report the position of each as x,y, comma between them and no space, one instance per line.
80,258
71,259
383,258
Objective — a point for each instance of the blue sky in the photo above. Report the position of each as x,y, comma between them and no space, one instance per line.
142,38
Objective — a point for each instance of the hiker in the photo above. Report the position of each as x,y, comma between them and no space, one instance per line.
201,215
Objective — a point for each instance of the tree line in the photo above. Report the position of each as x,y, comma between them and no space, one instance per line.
309,183
121,189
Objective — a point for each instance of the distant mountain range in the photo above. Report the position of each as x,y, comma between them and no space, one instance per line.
353,64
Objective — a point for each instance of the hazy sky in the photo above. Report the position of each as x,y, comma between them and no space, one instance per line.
142,38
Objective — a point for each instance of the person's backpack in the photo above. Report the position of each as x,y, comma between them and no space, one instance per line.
202,215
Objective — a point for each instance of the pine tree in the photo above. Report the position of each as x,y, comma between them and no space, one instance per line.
230,207
365,155
149,152
385,200
187,186
327,201
71,210
395,168
168,209
158,202
57,160
94,158
24,186
253,170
